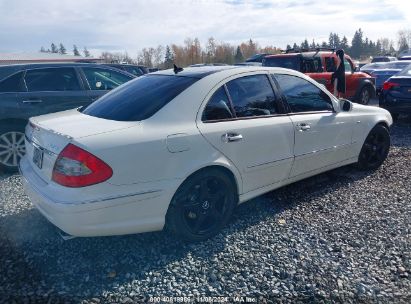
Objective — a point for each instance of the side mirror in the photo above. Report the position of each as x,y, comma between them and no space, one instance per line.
345,105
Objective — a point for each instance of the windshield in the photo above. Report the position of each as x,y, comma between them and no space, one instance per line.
288,62
139,99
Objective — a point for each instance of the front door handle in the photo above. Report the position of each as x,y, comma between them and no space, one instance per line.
231,137
32,101
303,126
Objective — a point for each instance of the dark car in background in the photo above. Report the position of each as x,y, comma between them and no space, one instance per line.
396,94
384,70
136,70
35,89
383,59
257,57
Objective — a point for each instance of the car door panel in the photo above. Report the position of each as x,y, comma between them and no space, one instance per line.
250,130
326,142
264,155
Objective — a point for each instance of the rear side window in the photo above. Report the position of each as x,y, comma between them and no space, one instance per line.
288,62
104,79
330,64
13,83
218,107
302,95
139,99
52,79
252,96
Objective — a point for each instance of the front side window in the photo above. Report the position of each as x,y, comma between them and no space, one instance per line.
52,79
13,83
252,96
139,99
133,70
104,79
218,107
302,95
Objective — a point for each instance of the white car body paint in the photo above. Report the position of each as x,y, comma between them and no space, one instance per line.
151,158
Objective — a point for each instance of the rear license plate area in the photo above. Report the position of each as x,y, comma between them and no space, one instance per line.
38,157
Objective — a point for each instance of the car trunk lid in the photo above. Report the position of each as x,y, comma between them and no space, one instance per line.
47,135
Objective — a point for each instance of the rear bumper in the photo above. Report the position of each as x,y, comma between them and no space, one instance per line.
397,106
141,211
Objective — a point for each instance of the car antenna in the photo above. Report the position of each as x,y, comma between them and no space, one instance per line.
177,69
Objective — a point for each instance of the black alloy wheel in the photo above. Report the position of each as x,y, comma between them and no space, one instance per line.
202,205
375,148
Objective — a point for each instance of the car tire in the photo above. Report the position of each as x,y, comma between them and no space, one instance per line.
365,95
375,149
12,146
202,205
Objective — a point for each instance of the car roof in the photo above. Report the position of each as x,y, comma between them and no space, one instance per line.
7,70
302,54
196,72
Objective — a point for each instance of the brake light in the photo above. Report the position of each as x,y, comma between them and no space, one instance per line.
76,167
389,85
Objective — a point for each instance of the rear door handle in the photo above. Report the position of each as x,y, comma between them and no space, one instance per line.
303,126
231,137
32,101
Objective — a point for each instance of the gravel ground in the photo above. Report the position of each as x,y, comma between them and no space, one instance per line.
343,237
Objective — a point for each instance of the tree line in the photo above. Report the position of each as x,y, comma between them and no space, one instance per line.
61,49
192,52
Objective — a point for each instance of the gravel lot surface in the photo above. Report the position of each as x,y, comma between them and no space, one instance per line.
343,236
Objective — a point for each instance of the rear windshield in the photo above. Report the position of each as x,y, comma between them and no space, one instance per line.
140,98
288,62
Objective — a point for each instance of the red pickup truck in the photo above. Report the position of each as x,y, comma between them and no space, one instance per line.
319,64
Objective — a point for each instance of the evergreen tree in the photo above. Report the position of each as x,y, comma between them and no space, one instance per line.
357,44
86,52
75,50
62,49
305,45
288,47
324,44
169,58
295,46
238,55
54,48
43,50
313,45
344,44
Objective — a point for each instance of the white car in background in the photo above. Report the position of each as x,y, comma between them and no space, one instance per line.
182,148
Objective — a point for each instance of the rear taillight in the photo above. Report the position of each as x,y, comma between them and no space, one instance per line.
388,85
76,167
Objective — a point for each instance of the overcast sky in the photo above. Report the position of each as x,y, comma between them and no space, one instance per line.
130,25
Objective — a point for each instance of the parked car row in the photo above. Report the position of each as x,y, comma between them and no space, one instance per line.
34,89
181,148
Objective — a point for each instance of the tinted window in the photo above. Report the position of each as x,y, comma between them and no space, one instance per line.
218,107
52,79
13,83
330,64
102,79
311,65
252,96
140,98
133,70
302,95
288,62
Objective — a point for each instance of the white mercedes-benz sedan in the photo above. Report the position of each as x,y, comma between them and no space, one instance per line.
181,148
